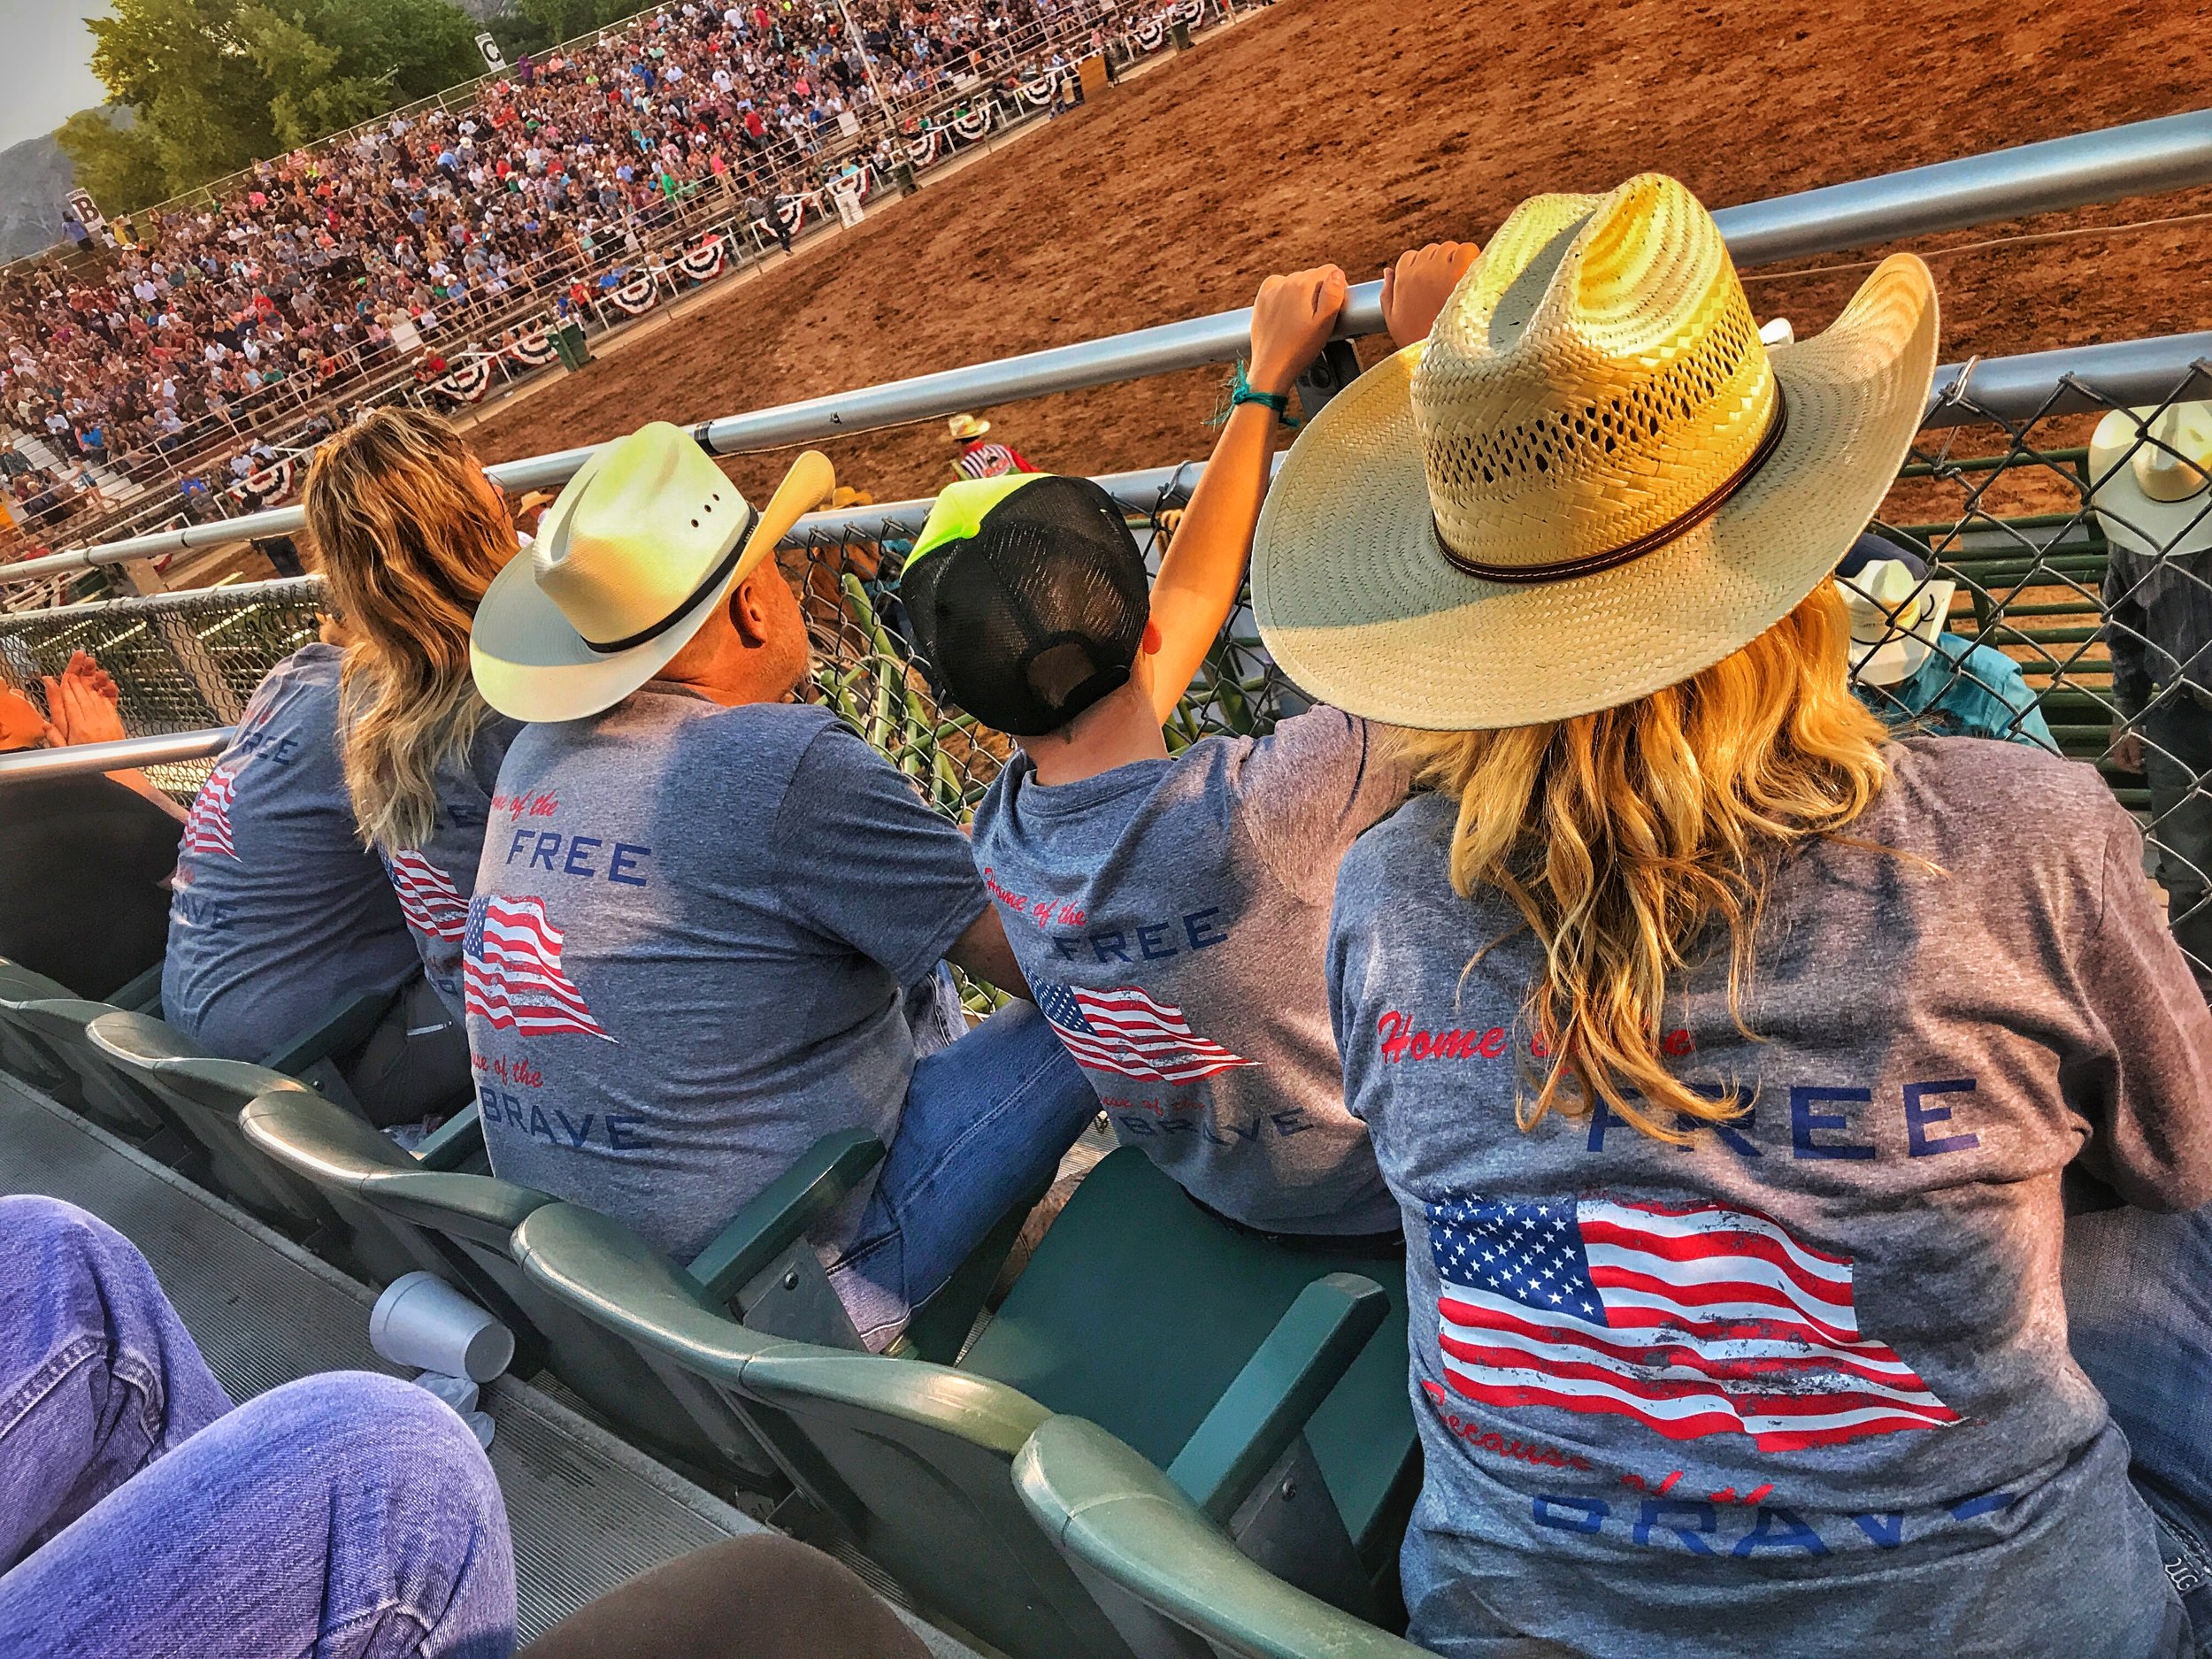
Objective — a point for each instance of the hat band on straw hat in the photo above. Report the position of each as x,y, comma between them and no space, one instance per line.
1651,541
707,585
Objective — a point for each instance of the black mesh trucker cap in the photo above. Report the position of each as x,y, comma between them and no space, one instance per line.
1027,598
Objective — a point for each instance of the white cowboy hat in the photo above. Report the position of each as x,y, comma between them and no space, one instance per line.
963,427
628,562
1897,615
1591,481
2150,472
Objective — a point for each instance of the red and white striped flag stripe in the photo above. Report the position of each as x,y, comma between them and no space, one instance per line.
428,900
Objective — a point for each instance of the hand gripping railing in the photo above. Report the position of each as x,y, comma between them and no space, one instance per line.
2141,157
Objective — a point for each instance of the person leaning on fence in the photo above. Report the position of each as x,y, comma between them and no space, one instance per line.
695,929
2151,476
1170,912
409,532
1723,1052
83,860
1914,673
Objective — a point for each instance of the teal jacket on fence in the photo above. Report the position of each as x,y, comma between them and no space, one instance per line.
1963,690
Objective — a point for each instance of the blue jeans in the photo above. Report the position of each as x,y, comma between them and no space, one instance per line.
348,1516
985,1122
2139,1312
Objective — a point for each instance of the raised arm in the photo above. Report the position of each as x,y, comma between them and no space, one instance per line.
1203,570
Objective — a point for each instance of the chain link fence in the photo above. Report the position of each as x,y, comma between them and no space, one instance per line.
2067,601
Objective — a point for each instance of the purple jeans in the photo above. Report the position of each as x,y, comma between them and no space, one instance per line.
346,1516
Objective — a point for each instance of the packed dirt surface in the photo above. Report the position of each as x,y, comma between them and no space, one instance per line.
1348,130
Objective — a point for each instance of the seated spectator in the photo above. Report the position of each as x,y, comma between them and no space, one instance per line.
409,532
344,1514
1914,673
702,905
1169,914
84,859
1746,1044
281,912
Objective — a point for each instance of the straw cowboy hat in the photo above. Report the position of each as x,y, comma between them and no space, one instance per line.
964,428
2151,476
1591,481
629,561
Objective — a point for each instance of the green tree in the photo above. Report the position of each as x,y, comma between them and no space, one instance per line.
217,84
116,159
517,34
565,19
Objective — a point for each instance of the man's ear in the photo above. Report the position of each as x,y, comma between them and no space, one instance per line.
1150,644
748,604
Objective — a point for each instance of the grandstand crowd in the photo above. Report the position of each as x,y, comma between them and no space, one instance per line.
1671,964
260,305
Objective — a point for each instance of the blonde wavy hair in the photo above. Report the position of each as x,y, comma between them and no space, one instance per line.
409,535
1624,836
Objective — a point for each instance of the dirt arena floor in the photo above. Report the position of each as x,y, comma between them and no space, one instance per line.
1347,130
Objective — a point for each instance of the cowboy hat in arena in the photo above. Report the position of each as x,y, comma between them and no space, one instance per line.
965,428
1591,481
629,561
2150,475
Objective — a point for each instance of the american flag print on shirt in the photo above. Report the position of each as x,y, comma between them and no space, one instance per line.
510,968
207,826
1125,1031
1693,1320
428,900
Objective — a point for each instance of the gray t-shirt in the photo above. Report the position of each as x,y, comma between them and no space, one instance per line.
1171,918
436,881
278,911
686,951
1801,1384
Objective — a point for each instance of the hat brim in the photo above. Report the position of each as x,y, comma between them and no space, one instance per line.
2130,520
1360,606
531,664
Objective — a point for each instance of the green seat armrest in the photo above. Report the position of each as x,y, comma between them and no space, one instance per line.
1266,1404
345,1025
780,1215
318,1137
148,1045
454,1142
479,1208
142,1042
19,983
142,995
597,1265
1109,1509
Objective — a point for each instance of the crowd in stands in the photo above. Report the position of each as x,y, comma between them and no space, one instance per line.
1716,1027
329,264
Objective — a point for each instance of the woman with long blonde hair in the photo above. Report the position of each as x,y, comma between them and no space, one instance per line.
1724,1055
408,533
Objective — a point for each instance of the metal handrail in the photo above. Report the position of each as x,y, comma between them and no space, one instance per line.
126,756
2165,154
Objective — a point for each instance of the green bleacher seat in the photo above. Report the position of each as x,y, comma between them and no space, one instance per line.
911,1459
1189,1297
204,1095
1131,1528
23,1053
55,1028
470,1219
